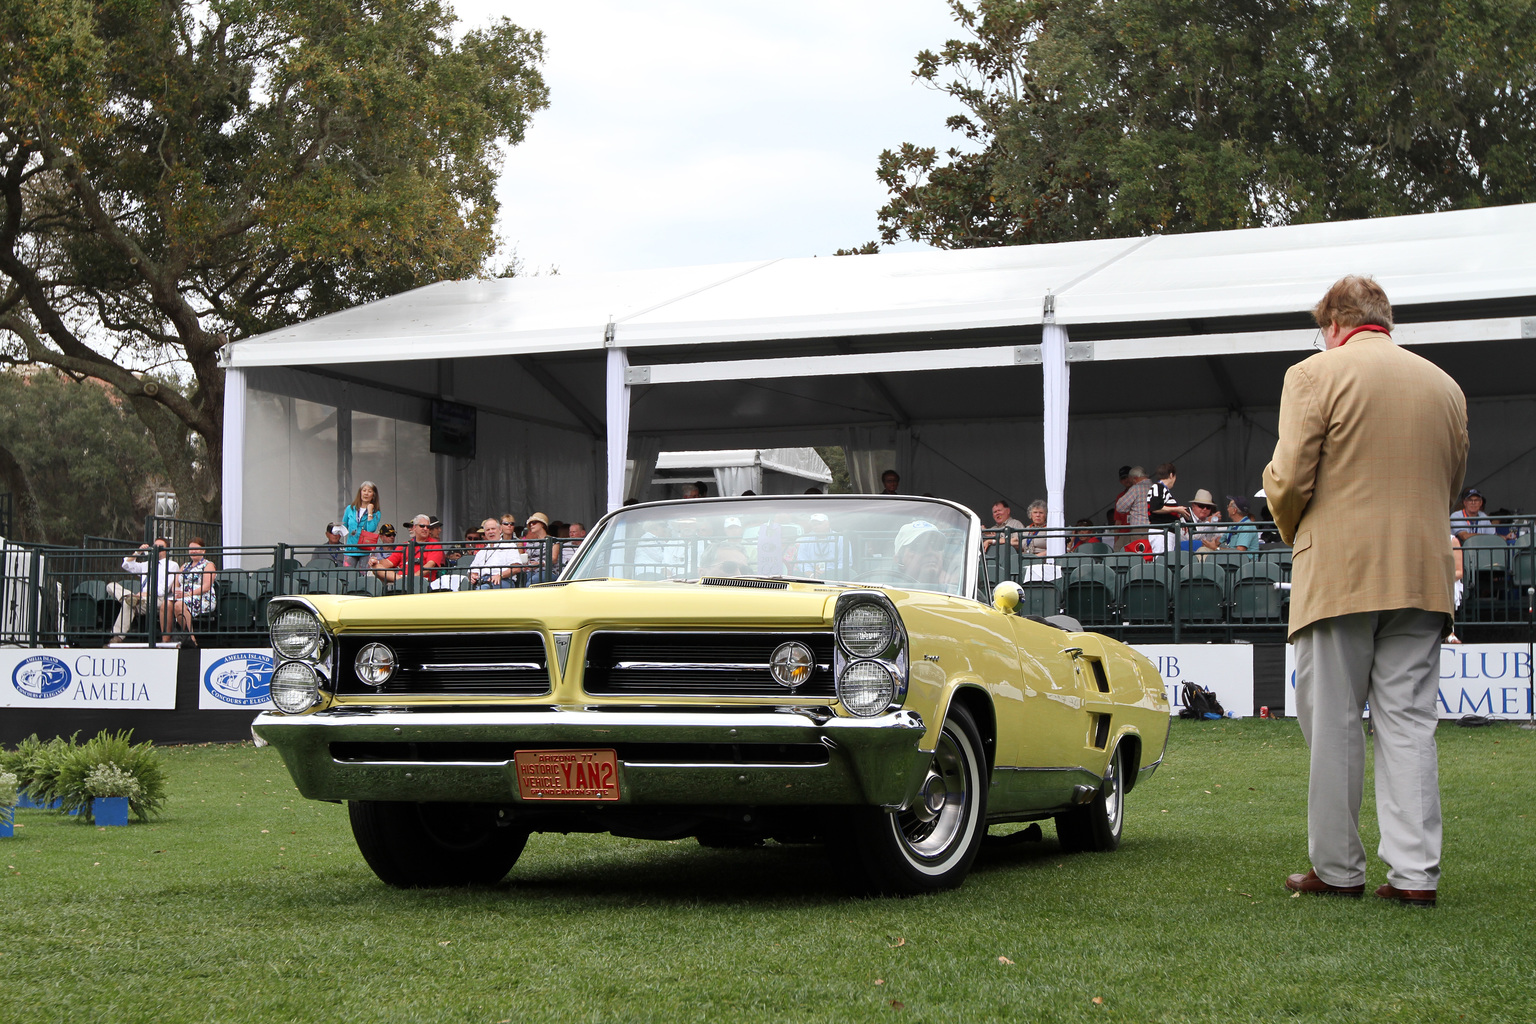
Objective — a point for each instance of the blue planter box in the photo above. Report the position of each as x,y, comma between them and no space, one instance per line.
23,800
110,810
7,822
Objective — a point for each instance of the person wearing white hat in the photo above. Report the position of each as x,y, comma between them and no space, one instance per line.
920,552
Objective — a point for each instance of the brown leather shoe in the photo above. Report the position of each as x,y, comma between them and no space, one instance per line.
1310,883
1407,897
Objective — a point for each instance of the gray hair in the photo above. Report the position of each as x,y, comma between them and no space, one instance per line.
1038,503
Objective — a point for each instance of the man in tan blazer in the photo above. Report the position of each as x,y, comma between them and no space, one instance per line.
1372,449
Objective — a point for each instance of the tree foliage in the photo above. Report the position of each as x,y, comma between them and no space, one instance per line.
177,174
1114,118
88,462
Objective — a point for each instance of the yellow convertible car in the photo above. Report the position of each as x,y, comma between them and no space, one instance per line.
809,668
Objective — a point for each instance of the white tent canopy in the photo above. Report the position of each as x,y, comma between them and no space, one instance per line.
926,360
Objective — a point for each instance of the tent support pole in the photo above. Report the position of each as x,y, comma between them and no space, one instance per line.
1056,384
618,419
233,483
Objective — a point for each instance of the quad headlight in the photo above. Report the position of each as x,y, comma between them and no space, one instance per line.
297,633
295,687
870,657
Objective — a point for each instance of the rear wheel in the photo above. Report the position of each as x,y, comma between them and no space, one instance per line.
1096,826
931,844
420,846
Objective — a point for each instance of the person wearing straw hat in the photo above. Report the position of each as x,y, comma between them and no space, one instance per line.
1369,433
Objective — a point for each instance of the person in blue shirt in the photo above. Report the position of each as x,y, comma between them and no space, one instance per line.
363,515
1243,536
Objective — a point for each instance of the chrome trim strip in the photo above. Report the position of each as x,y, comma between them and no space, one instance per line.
500,666
700,666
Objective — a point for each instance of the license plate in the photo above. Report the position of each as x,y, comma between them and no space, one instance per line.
567,774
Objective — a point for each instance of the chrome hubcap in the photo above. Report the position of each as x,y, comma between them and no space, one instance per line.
931,825
1112,794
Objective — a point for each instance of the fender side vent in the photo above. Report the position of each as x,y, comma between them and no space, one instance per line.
1100,677
1100,731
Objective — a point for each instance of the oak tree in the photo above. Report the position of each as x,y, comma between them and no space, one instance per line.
177,174
1113,118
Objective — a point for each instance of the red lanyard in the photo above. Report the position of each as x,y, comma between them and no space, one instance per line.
1364,327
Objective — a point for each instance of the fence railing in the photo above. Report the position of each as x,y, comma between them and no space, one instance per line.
1151,584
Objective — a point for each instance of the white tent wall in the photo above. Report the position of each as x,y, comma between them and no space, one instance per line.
522,468
1502,463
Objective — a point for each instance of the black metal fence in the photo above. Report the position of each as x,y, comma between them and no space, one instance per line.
1191,583
1138,585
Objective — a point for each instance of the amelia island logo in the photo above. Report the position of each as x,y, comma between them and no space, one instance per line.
241,679
41,677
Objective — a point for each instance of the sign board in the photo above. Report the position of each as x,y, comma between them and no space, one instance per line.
107,678
1492,680
235,679
1224,669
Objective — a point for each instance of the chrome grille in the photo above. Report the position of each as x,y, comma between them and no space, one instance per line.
459,664
700,664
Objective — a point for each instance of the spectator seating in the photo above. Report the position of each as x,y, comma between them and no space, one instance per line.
1094,547
1092,592
1488,595
1004,559
1145,592
237,591
85,610
1041,598
1203,591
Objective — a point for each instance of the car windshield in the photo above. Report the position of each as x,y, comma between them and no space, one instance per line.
902,542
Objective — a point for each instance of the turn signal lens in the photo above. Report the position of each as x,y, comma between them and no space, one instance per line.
866,688
295,687
375,664
866,630
792,664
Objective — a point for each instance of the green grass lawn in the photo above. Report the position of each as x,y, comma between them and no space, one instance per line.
246,902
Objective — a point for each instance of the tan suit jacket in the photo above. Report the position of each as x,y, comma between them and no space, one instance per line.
1372,451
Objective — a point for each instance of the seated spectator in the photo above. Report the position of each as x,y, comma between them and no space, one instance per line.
493,563
698,489
1203,532
1132,503
1469,519
1002,520
194,594
331,547
166,574
1032,540
428,557
1243,535
575,533
890,480
1083,532
509,530
543,552
819,553
725,558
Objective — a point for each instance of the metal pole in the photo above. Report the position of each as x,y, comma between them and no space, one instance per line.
1178,574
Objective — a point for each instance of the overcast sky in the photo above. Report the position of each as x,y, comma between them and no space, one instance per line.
683,132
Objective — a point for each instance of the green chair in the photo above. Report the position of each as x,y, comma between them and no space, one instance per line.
1092,593
1144,593
1254,597
1203,592
1041,598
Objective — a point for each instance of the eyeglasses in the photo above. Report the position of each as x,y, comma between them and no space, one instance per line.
1317,341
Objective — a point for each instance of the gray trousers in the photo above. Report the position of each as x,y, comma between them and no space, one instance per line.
1392,660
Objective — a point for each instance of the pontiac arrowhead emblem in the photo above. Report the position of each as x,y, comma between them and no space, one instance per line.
562,650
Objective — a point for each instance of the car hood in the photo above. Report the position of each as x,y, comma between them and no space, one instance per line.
584,603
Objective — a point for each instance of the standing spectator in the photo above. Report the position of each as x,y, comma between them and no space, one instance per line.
1032,541
1132,503
167,572
1242,535
697,489
543,552
890,480
194,594
1002,520
1116,516
492,566
360,523
1369,607
1163,509
1470,519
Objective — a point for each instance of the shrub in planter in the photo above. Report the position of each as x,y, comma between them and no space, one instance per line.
7,803
38,770
139,763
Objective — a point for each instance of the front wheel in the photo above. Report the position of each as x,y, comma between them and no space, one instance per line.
423,846
931,844
1096,826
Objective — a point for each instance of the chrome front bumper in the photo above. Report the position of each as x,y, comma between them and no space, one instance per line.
868,760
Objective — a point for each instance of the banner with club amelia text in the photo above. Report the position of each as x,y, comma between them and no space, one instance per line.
1491,680
1224,669
123,678
235,679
